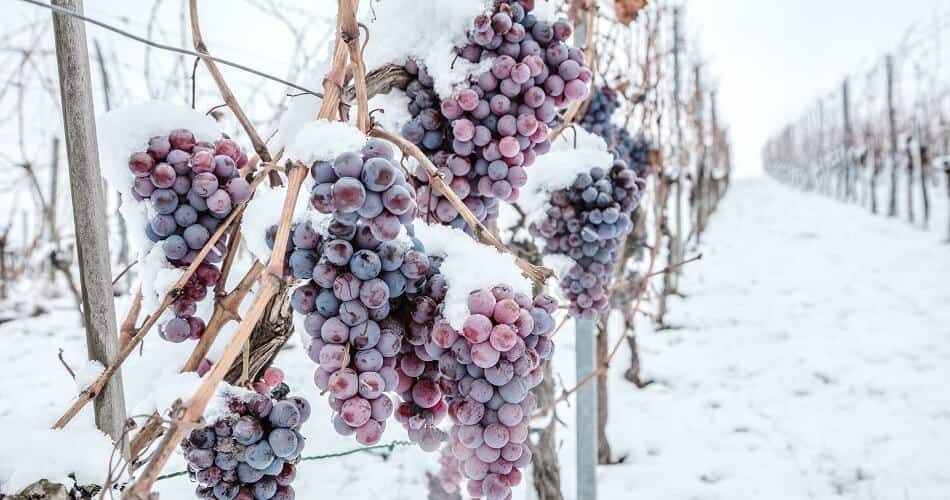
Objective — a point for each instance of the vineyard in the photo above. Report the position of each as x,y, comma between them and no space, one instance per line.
451,249
881,139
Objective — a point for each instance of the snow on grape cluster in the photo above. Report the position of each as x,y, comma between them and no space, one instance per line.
190,186
484,136
252,450
634,150
588,222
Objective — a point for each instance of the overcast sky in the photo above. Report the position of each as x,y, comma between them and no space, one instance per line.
774,57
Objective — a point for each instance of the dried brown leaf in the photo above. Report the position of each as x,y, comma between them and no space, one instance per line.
628,10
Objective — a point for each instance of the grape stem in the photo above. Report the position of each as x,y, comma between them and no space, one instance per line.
359,77
539,274
271,280
675,265
225,90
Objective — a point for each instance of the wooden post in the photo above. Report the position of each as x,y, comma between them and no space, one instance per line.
3,262
892,121
714,132
677,240
910,178
923,165
89,213
51,216
875,167
848,141
820,149
698,196
585,363
946,171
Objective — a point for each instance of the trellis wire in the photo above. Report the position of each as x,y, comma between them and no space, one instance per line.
389,447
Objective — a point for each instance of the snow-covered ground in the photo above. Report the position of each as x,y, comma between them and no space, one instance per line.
809,360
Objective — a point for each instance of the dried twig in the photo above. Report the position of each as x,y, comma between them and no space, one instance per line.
127,328
674,266
89,393
124,271
359,78
225,90
537,273
66,365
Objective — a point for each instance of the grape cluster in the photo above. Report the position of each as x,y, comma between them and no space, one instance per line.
425,379
634,150
498,355
352,285
367,186
446,484
588,222
357,277
190,187
251,453
483,136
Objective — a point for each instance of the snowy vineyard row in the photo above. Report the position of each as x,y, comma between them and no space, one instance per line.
881,140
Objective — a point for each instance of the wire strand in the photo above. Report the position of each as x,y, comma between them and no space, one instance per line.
388,447
179,50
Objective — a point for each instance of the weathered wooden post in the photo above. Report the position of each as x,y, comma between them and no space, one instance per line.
892,121
51,216
946,171
848,141
700,188
89,211
715,164
677,240
923,165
